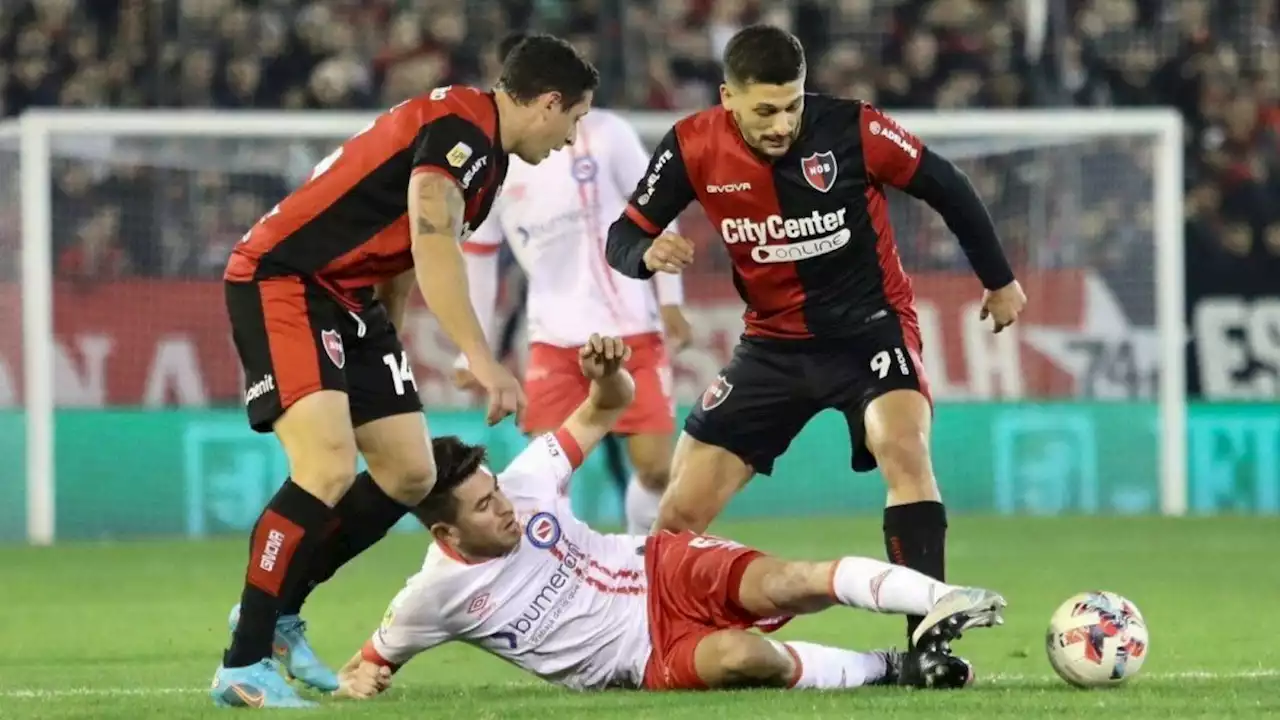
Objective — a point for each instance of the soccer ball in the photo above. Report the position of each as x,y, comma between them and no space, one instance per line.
1097,640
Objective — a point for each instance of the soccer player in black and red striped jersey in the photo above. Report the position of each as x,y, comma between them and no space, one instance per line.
315,292
795,183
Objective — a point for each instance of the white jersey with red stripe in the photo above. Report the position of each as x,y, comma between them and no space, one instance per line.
569,604
556,217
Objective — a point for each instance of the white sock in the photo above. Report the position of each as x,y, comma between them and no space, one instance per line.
820,667
874,585
642,507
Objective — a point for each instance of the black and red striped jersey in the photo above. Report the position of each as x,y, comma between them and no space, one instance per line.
346,227
808,233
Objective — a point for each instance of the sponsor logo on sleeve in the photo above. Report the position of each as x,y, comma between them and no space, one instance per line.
458,156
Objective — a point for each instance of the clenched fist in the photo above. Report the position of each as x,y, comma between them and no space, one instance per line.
361,679
669,254
602,356
1003,306
505,394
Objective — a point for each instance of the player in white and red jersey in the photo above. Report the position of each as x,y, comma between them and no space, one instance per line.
556,217
513,572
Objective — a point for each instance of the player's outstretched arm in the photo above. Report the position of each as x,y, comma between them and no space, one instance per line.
411,626
896,157
361,679
436,209
612,389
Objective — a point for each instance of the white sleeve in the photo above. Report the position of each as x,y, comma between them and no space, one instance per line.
670,288
411,625
541,472
628,158
480,253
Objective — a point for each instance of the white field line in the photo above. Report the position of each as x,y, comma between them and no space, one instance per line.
997,679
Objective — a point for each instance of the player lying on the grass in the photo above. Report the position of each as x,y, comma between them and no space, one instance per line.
512,571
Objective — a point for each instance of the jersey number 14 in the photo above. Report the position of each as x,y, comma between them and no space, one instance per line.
401,371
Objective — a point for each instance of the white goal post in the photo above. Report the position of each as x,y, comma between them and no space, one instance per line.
38,133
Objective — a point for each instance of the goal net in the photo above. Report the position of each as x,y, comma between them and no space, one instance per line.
1078,408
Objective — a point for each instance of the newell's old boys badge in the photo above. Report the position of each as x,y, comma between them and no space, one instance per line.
715,395
332,342
820,170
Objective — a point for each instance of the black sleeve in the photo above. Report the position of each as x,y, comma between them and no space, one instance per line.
453,146
896,157
946,189
662,194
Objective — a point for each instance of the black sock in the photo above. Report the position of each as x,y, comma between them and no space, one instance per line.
364,516
281,550
915,535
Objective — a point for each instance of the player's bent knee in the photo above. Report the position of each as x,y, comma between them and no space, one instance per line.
316,435
734,658
406,476
680,511
654,479
397,450
650,457
411,479
703,479
903,457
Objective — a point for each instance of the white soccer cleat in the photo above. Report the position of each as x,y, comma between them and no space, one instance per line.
957,611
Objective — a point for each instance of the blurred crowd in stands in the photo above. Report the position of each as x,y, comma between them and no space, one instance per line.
176,213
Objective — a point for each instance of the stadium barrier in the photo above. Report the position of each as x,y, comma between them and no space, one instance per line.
207,474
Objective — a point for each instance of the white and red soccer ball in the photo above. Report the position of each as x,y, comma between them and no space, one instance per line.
1097,639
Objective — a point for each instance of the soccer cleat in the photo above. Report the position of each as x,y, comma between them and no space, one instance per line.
256,686
955,612
291,648
931,670
893,660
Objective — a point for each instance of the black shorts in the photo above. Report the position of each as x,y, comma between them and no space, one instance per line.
295,339
771,388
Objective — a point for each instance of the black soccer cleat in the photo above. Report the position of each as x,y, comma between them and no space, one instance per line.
925,670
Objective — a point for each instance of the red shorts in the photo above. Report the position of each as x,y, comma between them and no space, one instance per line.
693,592
555,387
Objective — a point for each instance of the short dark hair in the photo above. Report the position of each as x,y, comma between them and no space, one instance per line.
763,54
455,462
539,63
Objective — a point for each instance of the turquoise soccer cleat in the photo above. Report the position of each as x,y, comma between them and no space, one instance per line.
290,647
256,686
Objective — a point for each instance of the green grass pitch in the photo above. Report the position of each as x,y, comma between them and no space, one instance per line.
134,630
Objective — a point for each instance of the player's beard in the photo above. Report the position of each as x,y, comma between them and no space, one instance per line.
769,146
